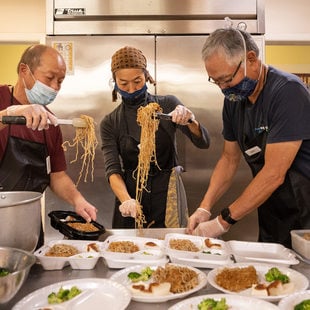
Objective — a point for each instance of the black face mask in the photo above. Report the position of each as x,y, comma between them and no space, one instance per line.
133,99
240,91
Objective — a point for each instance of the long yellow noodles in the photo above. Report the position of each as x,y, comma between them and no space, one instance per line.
146,118
85,137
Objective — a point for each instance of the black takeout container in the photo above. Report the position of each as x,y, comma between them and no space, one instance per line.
58,221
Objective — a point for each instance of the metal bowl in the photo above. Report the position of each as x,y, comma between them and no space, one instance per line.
20,219
18,263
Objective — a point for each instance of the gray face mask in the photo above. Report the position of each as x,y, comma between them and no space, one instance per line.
40,93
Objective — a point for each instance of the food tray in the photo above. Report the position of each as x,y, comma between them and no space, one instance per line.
150,252
212,252
240,251
58,221
300,244
86,259
271,253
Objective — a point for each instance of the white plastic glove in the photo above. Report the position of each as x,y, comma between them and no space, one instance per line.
210,229
129,208
182,115
199,216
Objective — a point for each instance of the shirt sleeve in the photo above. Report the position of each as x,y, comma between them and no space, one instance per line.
109,147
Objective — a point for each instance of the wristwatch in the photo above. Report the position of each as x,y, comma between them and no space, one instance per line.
225,213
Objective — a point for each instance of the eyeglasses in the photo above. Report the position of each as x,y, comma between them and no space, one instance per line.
221,82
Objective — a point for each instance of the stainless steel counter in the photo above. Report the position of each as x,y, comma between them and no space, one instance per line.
38,278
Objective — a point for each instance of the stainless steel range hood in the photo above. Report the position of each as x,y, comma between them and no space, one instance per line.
145,17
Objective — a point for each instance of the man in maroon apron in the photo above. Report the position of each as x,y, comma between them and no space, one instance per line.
265,119
31,155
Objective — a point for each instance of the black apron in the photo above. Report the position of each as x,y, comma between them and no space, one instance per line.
25,166
154,201
288,207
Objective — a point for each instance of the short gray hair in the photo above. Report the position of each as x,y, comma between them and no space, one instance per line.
229,42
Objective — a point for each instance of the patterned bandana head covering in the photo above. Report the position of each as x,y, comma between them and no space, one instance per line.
129,58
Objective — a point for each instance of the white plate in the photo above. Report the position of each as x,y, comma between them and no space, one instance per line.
235,302
289,302
122,277
152,255
300,281
95,294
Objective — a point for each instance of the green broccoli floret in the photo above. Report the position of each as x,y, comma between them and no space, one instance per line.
63,295
274,274
74,291
304,305
212,304
145,274
4,272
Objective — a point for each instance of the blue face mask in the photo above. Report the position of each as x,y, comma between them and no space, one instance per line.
40,93
240,91
131,96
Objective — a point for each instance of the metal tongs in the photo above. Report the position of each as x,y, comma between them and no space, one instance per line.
21,120
167,117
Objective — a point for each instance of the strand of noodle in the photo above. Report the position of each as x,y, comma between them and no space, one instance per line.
87,140
147,154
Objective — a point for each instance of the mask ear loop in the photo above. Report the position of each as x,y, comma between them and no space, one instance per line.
245,50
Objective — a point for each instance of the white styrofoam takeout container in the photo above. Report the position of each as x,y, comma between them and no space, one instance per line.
207,256
148,254
242,251
263,252
87,257
299,243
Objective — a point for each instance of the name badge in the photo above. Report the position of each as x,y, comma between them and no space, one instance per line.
253,150
48,165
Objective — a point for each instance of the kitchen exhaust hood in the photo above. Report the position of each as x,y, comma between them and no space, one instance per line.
147,17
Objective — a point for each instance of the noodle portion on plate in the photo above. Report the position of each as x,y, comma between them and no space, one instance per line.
181,278
160,282
85,138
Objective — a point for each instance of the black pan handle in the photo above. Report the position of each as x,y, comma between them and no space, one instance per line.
16,120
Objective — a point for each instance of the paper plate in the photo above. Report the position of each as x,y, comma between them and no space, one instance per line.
300,281
234,302
122,277
95,293
289,302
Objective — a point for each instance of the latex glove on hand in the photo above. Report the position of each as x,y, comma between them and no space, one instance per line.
182,115
129,208
199,216
36,115
212,229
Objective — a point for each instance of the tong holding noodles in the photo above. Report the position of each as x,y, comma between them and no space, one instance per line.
21,120
166,117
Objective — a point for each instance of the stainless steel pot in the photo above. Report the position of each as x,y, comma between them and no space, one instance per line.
20,219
